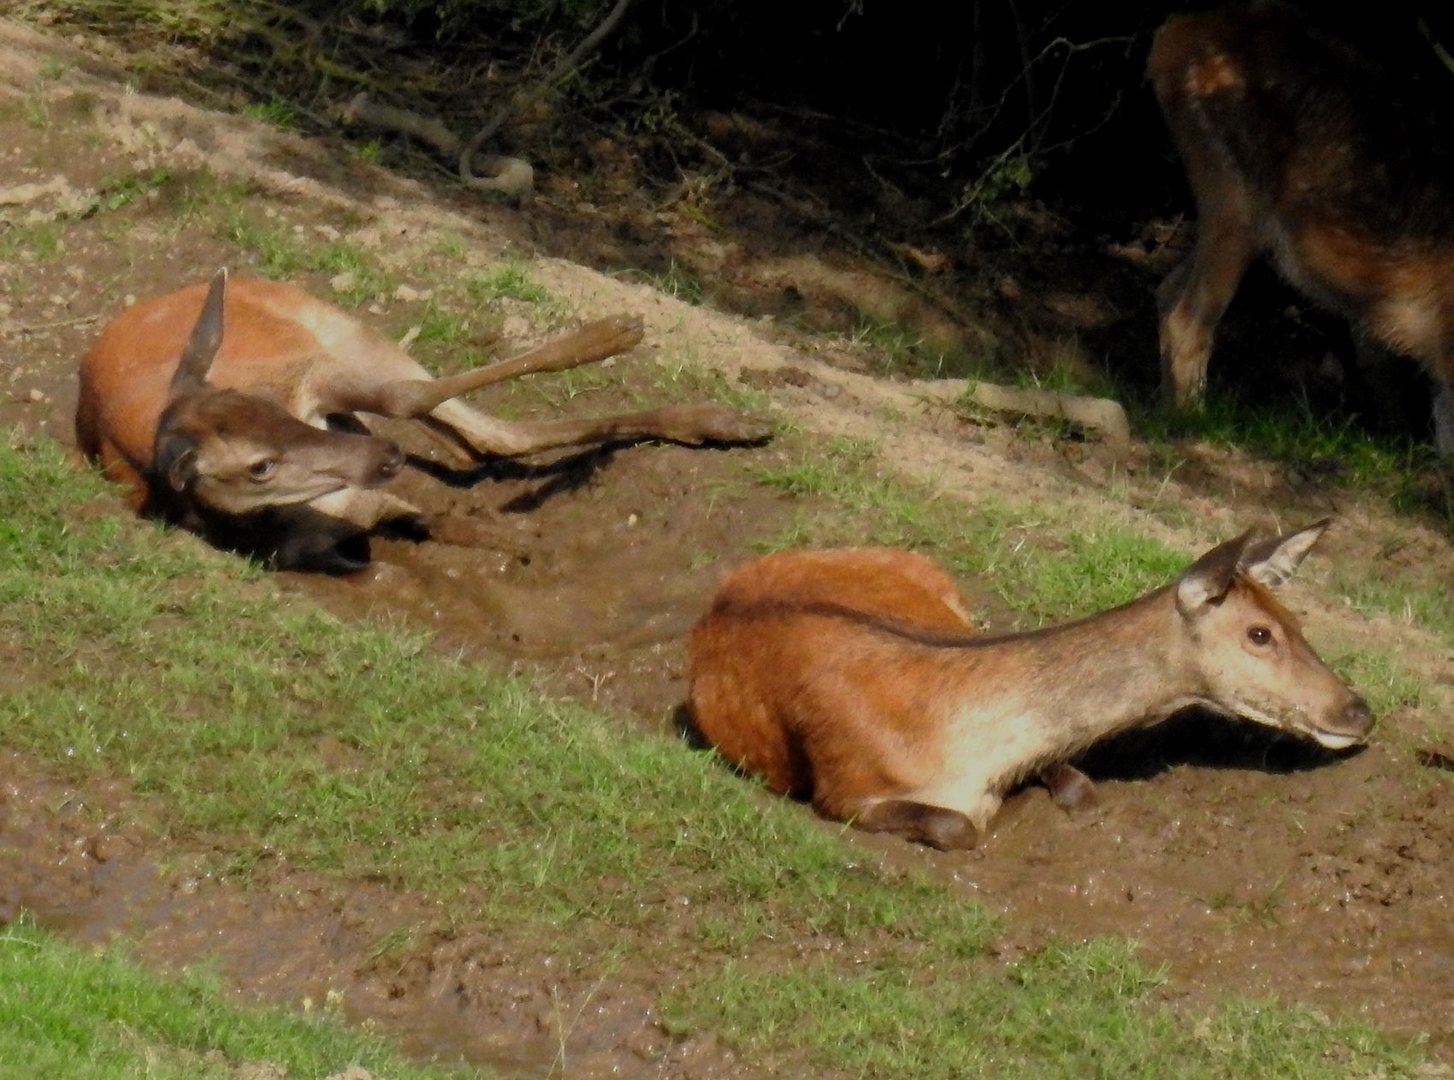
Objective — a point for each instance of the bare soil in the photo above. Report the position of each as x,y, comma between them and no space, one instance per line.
1242,862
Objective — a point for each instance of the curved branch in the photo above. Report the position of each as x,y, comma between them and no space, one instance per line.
511,177
567,65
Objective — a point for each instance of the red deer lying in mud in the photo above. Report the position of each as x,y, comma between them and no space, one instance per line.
1295,146
853,678
225,428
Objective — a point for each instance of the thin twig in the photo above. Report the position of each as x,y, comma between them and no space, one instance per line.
32,328
567,65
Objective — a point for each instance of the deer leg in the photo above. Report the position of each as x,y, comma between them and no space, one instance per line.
1192,300
937,826
411,397
1070,789
689,424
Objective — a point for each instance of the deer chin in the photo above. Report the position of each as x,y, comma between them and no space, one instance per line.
1299,724
1296,723
241,502
1332,740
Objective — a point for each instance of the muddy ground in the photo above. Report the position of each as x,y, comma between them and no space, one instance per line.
1242,862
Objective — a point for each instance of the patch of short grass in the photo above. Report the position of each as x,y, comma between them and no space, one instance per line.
1327,448
1041,565
682,376
81,1014
1426,604
526,816
197,20
1069,1010
123,189
278,114
40,242
511,281
675,281
283,252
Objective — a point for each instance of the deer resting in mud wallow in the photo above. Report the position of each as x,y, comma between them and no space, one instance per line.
219,406
1297,147
853,678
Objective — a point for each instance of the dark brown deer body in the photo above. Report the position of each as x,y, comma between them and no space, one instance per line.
213,406
1297,148
853,679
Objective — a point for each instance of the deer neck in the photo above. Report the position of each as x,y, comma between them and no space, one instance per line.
1068,686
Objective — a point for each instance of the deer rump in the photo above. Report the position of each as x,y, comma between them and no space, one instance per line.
245,430
1296,146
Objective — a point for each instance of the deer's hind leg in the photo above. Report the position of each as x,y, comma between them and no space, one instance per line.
692,425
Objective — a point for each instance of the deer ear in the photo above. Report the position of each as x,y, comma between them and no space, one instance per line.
1272,562
1207,580
175,459
206,339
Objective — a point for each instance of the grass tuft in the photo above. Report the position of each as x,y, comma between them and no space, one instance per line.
70,1012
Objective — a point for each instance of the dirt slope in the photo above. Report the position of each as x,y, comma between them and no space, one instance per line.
1242,862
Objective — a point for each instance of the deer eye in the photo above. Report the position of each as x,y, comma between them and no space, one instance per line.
261,469
1259,635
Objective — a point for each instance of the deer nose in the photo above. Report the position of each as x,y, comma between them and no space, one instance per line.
392,462
1359,716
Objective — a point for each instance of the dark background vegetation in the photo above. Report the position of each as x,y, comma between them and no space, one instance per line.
958,104
1010,140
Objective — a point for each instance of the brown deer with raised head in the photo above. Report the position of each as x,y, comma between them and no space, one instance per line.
853,678
1296,147
214,405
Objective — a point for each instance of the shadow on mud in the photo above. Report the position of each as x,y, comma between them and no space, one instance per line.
561,476
558,477
1207,740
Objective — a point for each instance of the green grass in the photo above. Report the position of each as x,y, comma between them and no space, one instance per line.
1427,604
1041,564
536,820
523,815
79,1014
278,114
674,281
512,281
197,20
1070,1010
118,191
1327,448
284,253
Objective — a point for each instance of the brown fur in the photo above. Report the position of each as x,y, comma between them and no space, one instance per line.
1295,146
213,406
852,678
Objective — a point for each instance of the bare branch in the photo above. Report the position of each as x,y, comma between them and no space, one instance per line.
567,65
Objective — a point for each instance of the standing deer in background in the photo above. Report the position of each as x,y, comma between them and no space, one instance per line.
213,405
1295,146
853,678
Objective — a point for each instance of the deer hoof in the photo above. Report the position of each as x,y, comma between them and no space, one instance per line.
717,424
